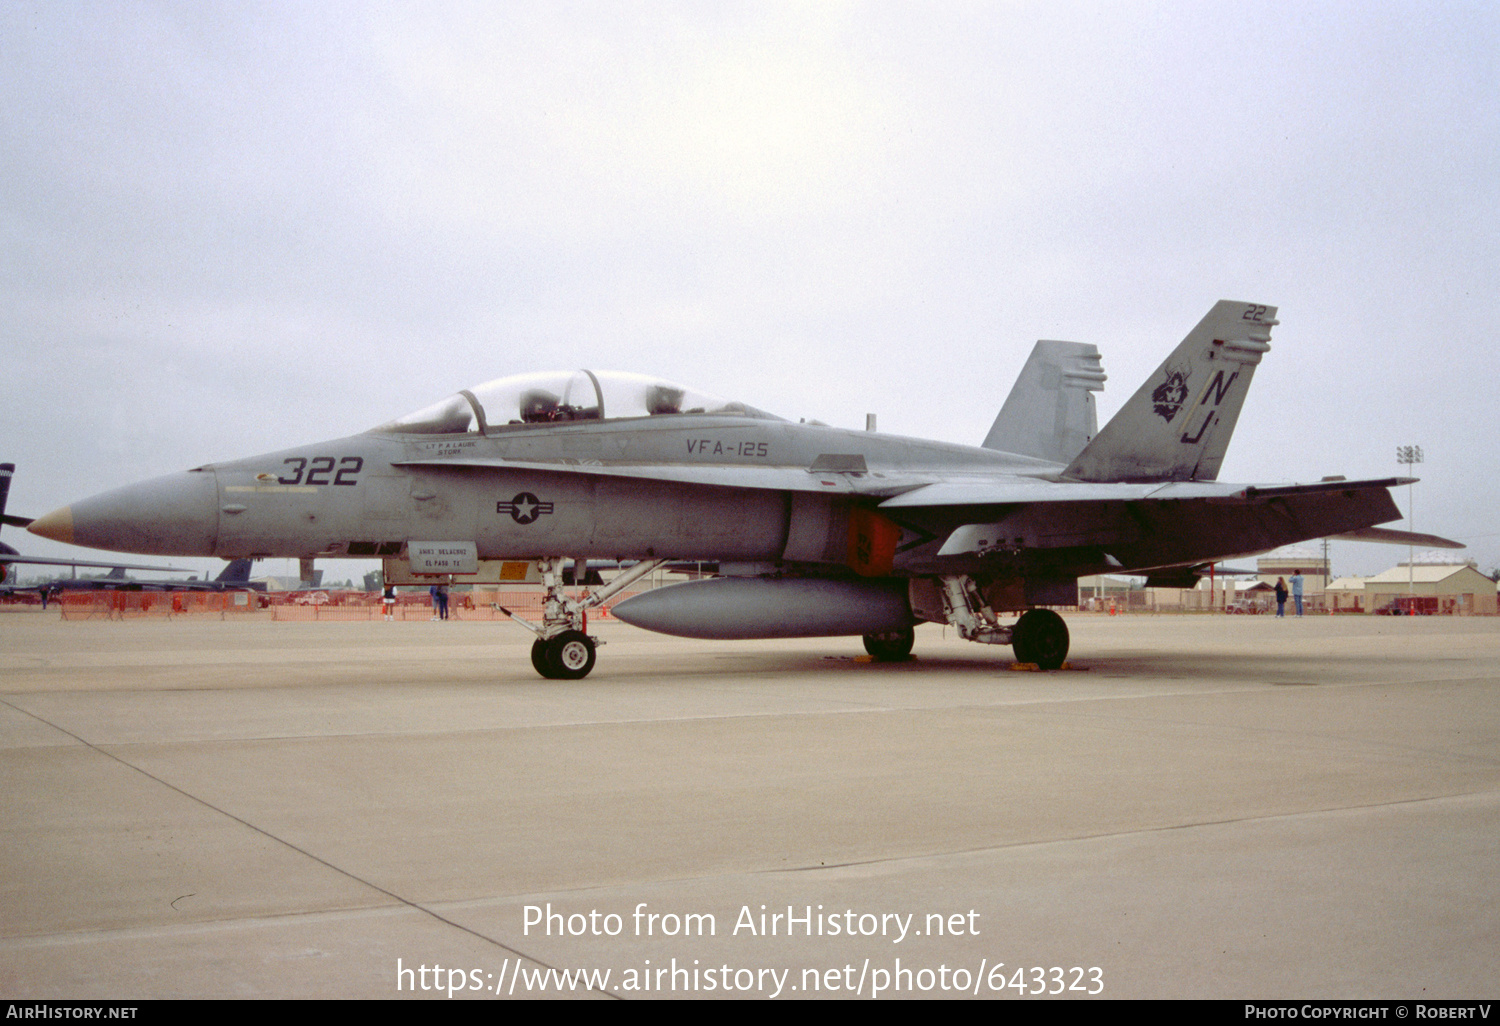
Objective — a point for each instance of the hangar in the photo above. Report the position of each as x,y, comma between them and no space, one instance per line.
1431,588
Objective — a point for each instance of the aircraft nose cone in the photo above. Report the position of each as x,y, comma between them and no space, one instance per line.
57,525
176,515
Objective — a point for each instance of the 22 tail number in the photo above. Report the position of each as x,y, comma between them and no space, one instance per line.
318,471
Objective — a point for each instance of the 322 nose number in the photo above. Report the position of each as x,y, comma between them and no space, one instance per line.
321,466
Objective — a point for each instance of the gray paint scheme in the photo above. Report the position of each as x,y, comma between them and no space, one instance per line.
751,608
1018,522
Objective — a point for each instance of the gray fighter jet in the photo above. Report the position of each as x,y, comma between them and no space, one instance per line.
816,531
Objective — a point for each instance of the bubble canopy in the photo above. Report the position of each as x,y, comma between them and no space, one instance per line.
559,397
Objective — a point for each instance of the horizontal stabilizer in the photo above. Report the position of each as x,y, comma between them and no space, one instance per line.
1189,576
1181,577
1389,537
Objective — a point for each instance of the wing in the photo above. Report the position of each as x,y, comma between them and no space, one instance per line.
101,565
1145,526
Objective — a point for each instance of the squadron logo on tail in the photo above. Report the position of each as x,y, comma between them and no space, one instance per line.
1168,397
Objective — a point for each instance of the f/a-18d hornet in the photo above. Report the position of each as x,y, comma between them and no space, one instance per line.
816,531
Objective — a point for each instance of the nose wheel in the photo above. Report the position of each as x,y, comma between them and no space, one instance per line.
569,656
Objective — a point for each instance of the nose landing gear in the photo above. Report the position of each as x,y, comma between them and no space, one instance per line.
563,649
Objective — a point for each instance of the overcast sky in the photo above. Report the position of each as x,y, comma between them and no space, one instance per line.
229,228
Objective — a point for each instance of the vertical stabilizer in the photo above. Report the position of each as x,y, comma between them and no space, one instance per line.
236,571
6,470
1177,425
1050,412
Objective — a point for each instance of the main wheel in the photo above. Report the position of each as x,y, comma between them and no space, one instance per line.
570,655
892,646
1040,637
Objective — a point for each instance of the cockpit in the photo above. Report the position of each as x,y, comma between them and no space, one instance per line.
561,397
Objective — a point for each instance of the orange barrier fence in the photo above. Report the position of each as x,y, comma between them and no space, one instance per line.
130,605
304,607
476,605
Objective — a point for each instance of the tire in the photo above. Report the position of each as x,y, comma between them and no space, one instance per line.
570,655
1040,637
892,646
539,659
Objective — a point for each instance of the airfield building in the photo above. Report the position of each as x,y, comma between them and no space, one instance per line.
1287,562
1431,588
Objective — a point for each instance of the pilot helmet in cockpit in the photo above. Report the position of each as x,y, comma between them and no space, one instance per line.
538,406
661,398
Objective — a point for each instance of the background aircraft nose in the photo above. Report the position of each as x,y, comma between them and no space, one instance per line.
176,515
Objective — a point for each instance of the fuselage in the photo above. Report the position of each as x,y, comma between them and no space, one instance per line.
367,495
727,488
521,470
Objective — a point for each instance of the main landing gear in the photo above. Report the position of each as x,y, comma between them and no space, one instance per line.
563,649
1040,636
891,647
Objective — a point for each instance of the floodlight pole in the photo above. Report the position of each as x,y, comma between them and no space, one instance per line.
1409,456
